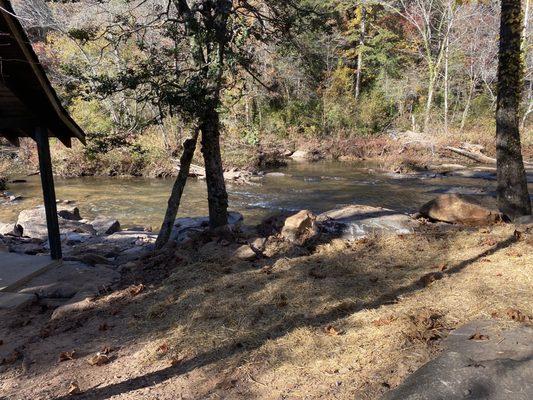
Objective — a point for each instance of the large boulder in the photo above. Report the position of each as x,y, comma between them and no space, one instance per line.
300,227
357,221
462,209
33,221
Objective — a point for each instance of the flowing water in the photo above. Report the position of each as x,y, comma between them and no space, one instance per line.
318,186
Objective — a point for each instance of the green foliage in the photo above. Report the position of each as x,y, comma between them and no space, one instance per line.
375,113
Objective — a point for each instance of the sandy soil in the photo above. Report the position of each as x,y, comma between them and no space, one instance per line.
340,321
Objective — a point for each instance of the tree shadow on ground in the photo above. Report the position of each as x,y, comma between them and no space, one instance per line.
333,283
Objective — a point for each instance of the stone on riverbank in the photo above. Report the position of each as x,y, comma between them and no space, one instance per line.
462,209
33,221
306,155
357,221
10,229
105,226
185,226
300,227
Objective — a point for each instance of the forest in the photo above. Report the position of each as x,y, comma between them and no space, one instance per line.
315,73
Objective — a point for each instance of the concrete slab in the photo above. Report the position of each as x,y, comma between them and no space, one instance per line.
17,269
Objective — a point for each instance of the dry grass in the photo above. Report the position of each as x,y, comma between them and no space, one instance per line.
342,321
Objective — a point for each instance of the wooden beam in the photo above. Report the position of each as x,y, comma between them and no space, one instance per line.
14,123
47,181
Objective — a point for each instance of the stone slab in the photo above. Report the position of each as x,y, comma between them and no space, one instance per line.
497,368
357,221
15,300
17,269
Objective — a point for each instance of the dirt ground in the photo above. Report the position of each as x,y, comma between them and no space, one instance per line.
339,321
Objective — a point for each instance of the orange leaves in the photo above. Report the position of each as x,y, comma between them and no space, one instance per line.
330,330
137,289
67,355
99,359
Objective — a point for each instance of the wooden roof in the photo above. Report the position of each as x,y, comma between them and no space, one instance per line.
27,99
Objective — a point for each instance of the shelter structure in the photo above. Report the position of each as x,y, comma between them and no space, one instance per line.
30,107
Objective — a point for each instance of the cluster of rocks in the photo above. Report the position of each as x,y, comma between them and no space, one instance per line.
9,197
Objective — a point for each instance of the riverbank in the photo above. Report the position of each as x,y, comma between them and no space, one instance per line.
397,151
324,319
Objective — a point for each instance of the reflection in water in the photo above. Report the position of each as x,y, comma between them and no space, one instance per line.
319,187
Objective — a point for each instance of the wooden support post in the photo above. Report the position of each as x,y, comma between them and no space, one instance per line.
49,195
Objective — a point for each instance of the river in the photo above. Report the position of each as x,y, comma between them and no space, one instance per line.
317,186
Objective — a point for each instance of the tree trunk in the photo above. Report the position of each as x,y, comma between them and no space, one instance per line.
189,146
446,84
216,188
513,196
467,105
360,52
431,89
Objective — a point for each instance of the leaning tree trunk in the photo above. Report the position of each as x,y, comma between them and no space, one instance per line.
189,146
513,196
216,188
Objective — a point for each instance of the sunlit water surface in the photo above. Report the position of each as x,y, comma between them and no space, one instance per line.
318,186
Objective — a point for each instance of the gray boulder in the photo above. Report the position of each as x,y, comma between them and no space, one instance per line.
105,226
185,226
33,221
358,221
499,367
10,229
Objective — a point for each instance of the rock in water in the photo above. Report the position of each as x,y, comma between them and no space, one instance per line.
105,226
38,214
300,227
358,221
462,209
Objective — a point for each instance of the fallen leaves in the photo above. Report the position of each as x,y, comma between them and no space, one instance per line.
513,253
163,349
137,289
12,357
517,315
176,360
478,336
317,272
384,320
490,241
428,325
282,301
430,278
99,359
67,355
73,388
330,330
513,314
